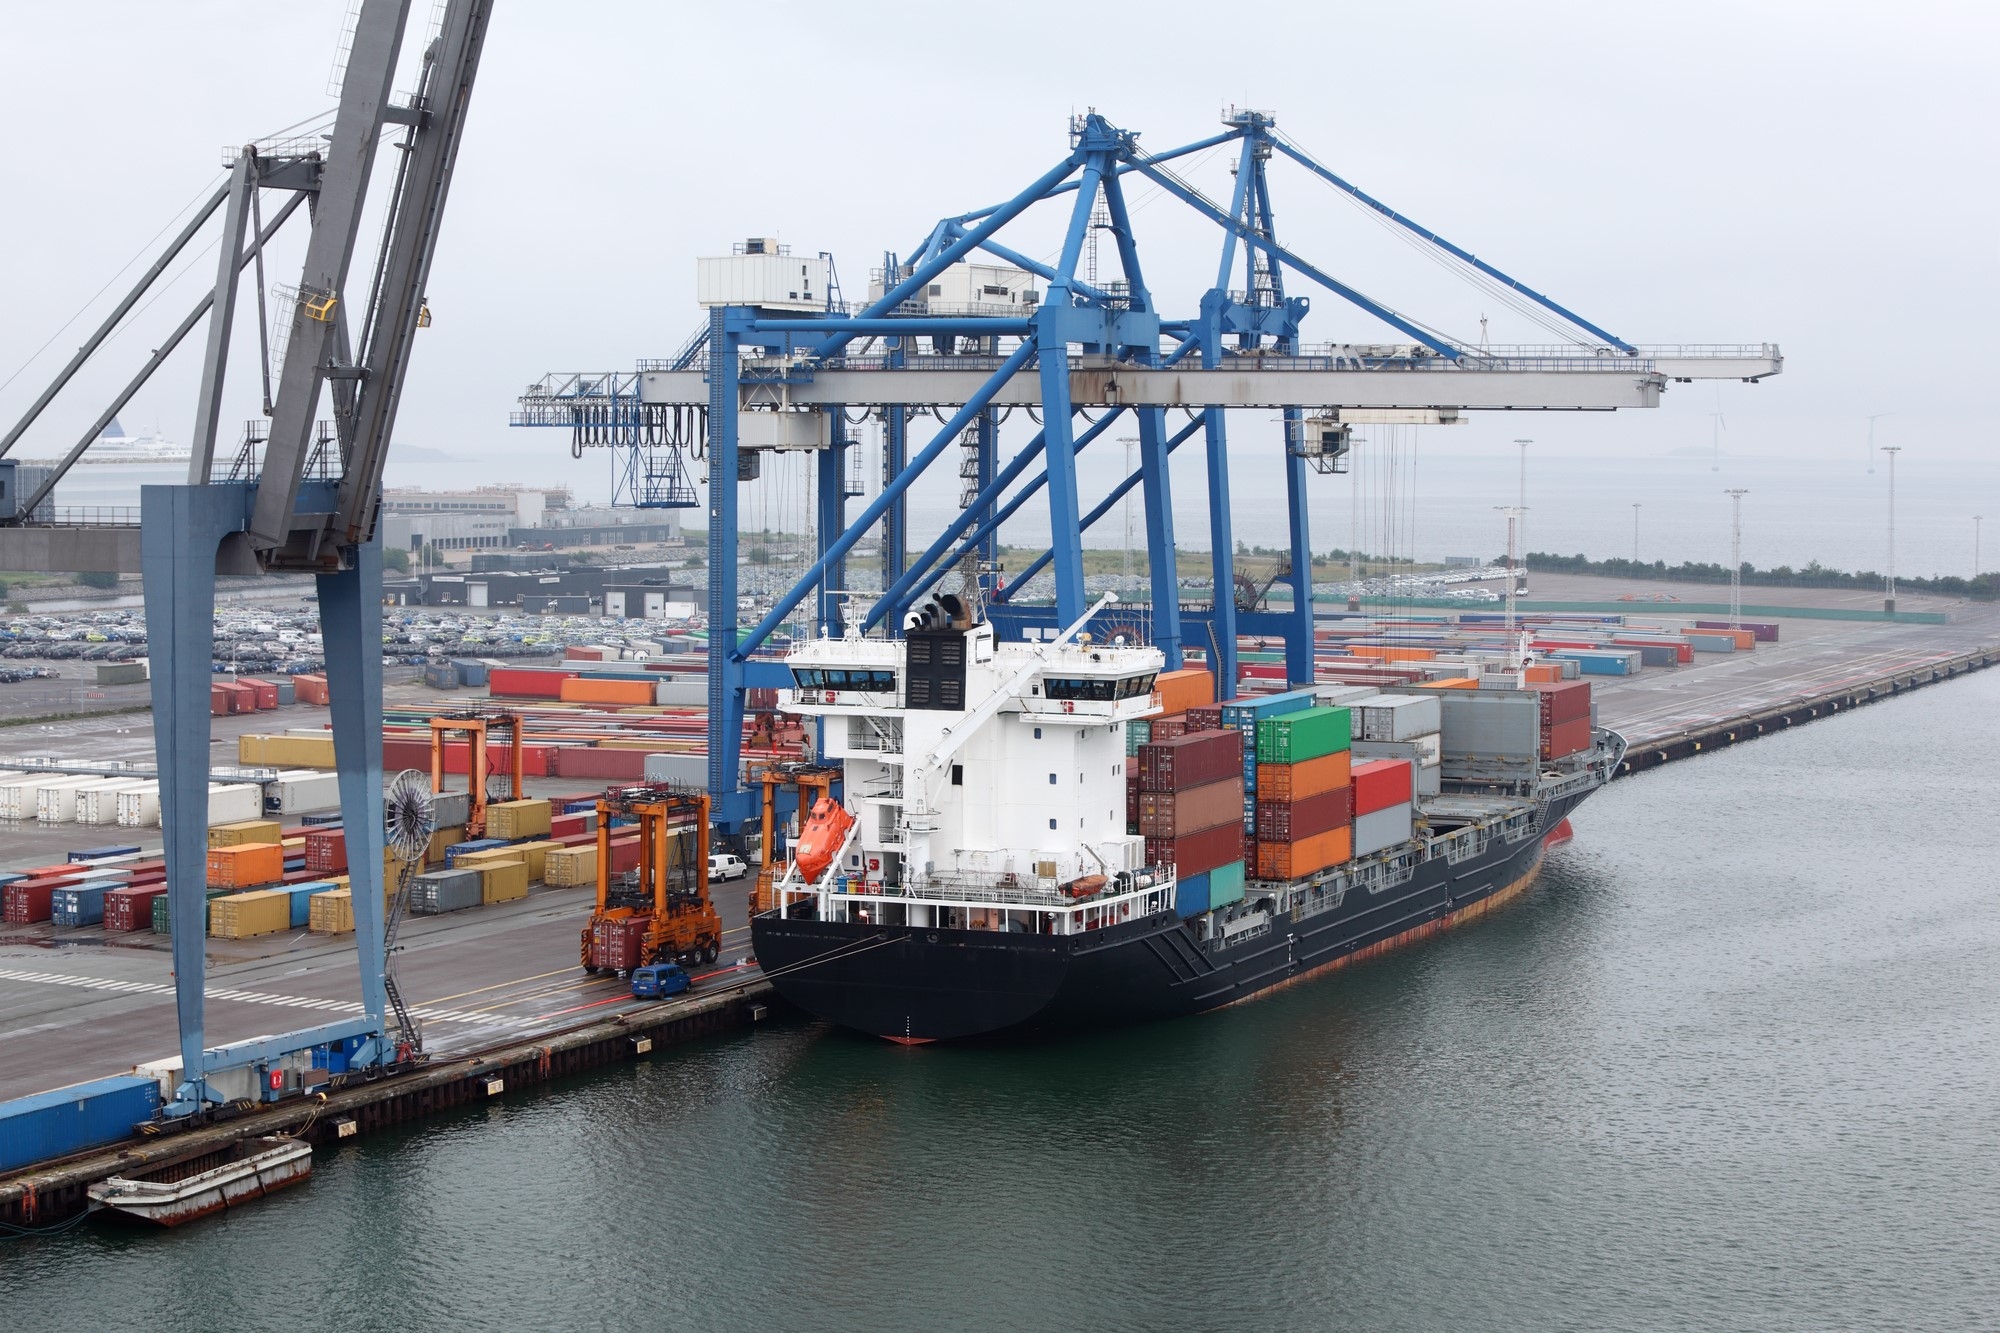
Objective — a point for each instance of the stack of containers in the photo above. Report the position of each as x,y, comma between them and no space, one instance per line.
1242,715
1382,809
1565,714
1306,830
131,908
1189,810
1403,726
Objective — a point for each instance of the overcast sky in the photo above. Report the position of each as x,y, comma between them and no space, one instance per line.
1818,175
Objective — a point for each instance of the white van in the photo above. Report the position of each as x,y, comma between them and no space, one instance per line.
726,866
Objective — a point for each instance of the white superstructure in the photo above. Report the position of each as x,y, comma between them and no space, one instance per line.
982,772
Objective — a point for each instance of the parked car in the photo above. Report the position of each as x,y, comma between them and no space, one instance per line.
726,866
656,981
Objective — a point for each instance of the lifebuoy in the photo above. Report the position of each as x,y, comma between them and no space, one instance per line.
1069,705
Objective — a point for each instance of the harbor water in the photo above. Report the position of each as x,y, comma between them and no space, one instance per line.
1733,1063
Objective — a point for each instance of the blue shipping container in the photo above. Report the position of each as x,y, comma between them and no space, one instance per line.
1244,714
302,900
456,850
1191,895
69,1120
99,853
79,905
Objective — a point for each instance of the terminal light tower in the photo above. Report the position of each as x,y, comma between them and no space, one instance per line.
1516,649
1736,556
1635,532
1871,439
1889,600
1522,502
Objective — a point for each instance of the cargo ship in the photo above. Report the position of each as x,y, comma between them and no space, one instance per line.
1034,837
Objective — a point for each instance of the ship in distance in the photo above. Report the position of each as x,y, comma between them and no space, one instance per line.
1033,837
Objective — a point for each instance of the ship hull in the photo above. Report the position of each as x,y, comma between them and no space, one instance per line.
917,984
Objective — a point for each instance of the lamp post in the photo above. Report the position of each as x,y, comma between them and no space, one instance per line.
1871,440
1889,601
1736,556
1522,502
1515,651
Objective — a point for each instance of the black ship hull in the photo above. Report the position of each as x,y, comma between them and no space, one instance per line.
916,984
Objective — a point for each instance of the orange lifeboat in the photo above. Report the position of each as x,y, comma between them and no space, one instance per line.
819,841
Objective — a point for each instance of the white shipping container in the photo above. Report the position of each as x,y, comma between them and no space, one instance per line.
82,797
1342,696
1397,717
305,789
99,805
16,792
55,801
140,807
234,803
1383,829
683,692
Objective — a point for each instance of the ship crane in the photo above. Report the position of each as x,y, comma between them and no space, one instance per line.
1086,355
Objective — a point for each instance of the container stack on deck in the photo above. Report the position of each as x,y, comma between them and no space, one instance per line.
1185,794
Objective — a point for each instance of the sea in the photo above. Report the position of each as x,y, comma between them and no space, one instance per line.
1732,1063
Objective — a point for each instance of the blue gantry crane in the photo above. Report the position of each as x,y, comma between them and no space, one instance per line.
765,373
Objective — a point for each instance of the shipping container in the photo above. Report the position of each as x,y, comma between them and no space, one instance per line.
326,851
27,901
442,841
1379,830
1397,717
248,830
98,806
570,865
502,881
1563,701
449,808
440,891
1293,737
1293,782
584,689
131,908
1243,714
518,819
1169,728
1296,860
1291,821
1191,895
1566,738
1194,760
242,916
232,803
1197,852
331,913
1171,814
301,900
1225,884
458,851
1381,783
245,865
48,1125
1491,726
310,689
617,942
140,807
296,791
79,904
1760,631
1178,691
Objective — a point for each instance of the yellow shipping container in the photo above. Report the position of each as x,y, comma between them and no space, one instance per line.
534,854
503,881
517,819
249,830
315,751
332,912
440,840
239,916
570,865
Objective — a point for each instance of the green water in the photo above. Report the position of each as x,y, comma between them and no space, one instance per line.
1733,1063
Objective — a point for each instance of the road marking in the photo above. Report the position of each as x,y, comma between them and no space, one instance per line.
426,1012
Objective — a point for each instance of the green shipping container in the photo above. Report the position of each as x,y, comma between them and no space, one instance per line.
1293,738
1137,734
163,926
1225,885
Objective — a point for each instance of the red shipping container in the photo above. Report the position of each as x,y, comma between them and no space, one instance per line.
561,826
1198,853
27,901
1174,814
1308,817
218,701
589,761
130,908
1202,719
1379,784
310,689
624,854
1563,701
1566,738
762,698
1193,760
326,851
1169,728
1261,671
616,942
525,683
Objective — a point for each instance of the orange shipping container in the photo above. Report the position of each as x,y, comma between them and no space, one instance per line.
1295,782
1541,675
1455,683
580,690
245,865
1383,652
1295,860
1178,691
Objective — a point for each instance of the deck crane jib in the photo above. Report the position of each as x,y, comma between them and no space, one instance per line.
1093,353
